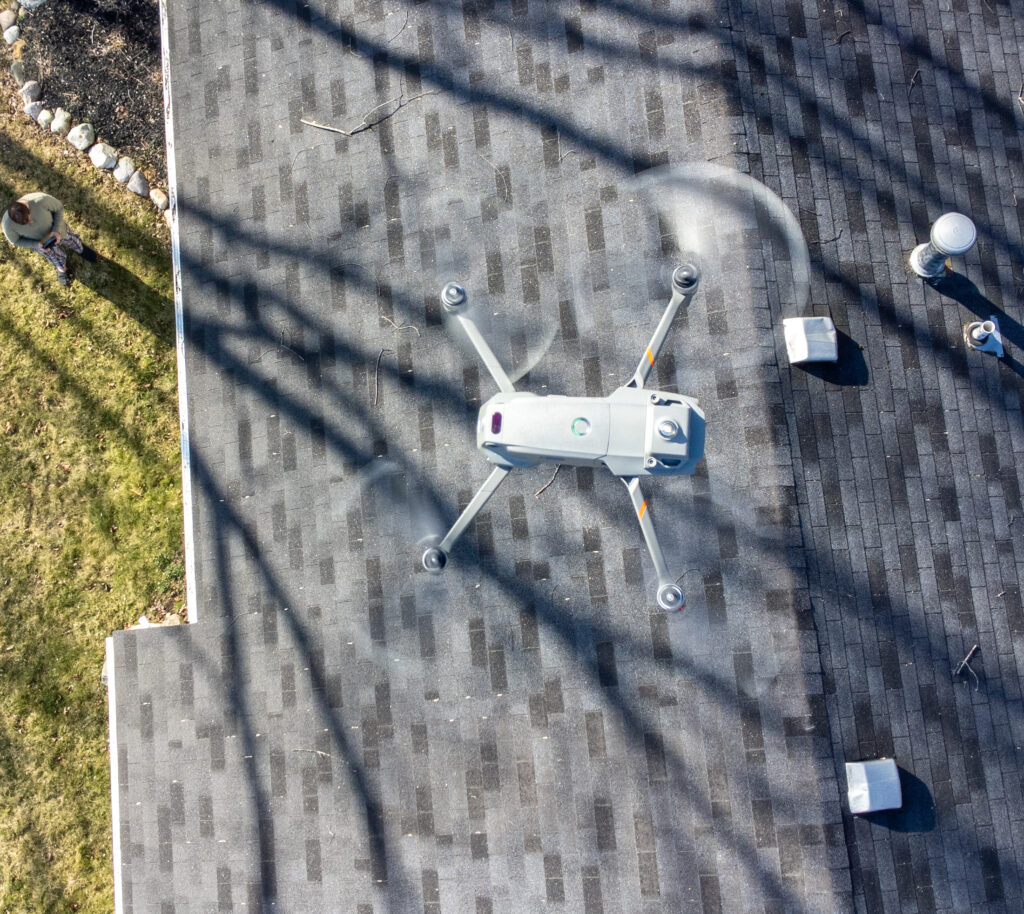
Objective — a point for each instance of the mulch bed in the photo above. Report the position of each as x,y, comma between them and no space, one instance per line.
100,60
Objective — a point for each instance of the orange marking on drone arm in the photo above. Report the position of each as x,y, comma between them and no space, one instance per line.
643,508
650,358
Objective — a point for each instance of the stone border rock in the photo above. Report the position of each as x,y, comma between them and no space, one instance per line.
83,136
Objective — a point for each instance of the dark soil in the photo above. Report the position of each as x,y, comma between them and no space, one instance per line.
100,60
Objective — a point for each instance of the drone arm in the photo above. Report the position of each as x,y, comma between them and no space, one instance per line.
485,352
453,300
647,527
473,508
669,594
684,286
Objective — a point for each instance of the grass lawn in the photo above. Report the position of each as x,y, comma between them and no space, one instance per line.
90,510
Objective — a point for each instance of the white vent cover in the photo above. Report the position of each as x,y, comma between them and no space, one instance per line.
810,339
872,786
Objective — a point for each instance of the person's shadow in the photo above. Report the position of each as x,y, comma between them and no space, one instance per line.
125,291
959,288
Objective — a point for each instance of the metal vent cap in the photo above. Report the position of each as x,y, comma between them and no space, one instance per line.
954,234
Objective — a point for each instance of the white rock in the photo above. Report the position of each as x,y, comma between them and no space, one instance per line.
12,34
32,4
138,184
125,169
159,198
31,91
61,121
45,118
32,109
18,71
103,156
7,19
82,136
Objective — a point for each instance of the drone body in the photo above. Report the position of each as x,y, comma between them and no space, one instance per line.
633,432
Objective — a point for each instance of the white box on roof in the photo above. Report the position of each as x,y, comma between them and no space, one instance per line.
810,339
873,786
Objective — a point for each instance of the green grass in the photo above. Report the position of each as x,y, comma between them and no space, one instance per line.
90,511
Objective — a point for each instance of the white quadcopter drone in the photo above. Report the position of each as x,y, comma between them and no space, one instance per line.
633,432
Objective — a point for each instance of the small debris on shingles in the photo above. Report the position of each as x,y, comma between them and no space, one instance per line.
405,25
281,345
913,81
366,123
499,173
827,240
384,317
537,494
965,665
376,374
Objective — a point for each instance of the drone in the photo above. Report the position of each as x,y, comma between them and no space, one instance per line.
633,432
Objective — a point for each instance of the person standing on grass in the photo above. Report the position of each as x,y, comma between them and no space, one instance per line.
37,221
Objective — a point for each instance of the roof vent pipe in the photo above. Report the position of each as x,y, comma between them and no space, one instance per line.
952,234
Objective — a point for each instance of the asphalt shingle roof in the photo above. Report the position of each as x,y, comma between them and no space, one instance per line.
340,732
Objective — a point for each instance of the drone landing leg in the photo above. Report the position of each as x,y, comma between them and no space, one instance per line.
670,596
436,557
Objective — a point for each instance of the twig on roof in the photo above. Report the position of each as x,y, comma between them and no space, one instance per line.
403,327
500,174
913,81
965,665
366,123
405,25
827,240
282,345
537,494
376,374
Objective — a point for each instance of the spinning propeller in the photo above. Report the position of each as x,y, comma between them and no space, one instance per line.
754,261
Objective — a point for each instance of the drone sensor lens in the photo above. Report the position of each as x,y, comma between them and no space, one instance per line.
495,423
580,427
668,429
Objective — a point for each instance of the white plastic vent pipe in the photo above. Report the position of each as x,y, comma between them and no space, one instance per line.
952,234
